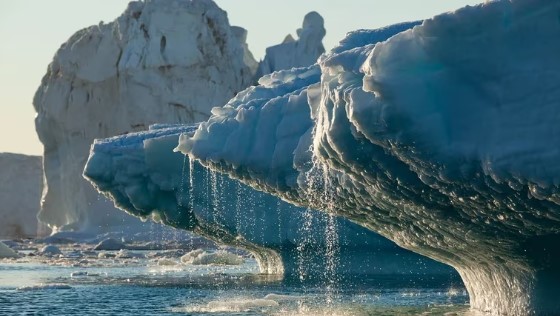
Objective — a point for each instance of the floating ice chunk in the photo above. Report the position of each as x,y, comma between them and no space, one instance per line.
7,252
80,274
39,287
11,243
125,254
167,262
218,257
106,255
50,250
191,255
110,244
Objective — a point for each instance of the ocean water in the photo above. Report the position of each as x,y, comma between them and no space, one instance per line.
81,283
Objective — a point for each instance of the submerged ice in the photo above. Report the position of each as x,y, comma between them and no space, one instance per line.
441,138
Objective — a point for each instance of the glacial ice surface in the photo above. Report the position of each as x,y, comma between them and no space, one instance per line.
441,138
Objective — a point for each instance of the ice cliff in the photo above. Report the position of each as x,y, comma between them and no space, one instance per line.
145,177
20,195
442,138
161,61
296,53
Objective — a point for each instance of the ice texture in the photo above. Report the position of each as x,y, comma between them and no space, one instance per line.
442,138
164,61
142,174
296,53
20,195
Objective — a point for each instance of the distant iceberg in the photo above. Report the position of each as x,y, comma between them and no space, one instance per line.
20,196
442,138
161,61
292,53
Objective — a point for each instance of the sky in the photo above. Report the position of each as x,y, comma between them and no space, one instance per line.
32,31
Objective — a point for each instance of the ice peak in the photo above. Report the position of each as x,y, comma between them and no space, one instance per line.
296,53
313,27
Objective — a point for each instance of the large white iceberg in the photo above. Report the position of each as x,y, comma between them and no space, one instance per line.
20,195
161,61
442,138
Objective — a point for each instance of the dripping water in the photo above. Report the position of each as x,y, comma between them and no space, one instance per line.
181,199
191,183
238,195
332,247
320,191
246,205
206,193
261,214
215,198
305,245
191,193
250,208
218,199
279,214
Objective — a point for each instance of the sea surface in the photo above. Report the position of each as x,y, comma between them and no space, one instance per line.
158,283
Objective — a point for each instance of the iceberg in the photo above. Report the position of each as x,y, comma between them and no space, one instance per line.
296,53
441,138
161,61
20,195
142,174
